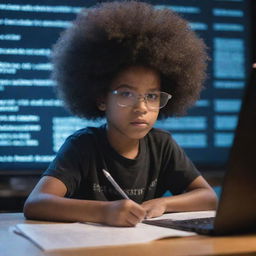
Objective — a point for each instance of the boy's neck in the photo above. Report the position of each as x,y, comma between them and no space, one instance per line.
131,154
128,148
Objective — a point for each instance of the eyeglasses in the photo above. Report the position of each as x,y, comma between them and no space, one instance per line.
153,100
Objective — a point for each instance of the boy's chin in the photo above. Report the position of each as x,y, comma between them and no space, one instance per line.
139,134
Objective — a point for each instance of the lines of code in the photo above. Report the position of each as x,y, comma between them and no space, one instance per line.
34,123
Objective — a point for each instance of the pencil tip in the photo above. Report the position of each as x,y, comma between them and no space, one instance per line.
105,172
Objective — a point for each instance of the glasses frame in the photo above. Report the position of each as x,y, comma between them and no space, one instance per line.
144,97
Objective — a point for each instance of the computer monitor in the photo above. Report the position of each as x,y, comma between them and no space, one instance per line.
33,122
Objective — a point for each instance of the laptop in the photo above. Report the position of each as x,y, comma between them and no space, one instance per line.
236,211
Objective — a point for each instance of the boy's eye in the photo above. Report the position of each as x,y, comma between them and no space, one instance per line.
126,94
152,96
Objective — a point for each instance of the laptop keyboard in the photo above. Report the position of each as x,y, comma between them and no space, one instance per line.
200,225
199,221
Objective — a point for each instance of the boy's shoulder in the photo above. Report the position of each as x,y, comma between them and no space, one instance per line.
86,131
86,134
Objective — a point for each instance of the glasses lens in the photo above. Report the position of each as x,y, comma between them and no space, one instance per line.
153,100
157,100
124,98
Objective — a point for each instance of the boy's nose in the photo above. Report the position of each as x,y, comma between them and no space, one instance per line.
140,105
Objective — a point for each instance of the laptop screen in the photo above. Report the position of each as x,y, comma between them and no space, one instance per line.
237,208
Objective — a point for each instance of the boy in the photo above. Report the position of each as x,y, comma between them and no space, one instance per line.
131,64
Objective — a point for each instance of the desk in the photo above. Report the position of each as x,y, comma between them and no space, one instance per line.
12,244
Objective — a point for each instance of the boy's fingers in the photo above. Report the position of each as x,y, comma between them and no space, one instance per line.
149,214
138,212
132,220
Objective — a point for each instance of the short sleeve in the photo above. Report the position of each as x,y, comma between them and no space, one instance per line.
67,165
179,169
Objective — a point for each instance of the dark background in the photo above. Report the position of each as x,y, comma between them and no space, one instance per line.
43,124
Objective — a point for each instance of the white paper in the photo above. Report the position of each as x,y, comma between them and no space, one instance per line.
77,235
187,215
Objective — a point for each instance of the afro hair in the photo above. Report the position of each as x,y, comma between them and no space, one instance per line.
113,35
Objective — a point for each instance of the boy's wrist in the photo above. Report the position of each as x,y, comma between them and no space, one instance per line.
155,207
102,211
95,211
163,202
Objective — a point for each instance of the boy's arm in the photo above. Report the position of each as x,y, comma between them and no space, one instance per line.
47,202
199,196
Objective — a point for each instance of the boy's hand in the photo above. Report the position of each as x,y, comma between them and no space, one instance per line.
125,213
154,207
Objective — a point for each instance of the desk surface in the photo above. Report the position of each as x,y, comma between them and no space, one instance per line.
12,244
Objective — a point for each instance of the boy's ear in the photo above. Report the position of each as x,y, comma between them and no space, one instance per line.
101,104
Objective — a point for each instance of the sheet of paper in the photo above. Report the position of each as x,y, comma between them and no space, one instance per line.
77,235
187,215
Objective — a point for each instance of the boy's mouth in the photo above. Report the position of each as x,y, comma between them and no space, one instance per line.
139,123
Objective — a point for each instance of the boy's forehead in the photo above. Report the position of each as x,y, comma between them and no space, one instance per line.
137,78
136,87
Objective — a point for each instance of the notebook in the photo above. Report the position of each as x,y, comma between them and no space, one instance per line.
236,211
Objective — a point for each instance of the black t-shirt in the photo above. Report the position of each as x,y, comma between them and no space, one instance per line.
160,165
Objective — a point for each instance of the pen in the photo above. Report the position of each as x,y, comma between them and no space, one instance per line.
116,186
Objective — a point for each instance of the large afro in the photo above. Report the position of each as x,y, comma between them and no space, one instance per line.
111,36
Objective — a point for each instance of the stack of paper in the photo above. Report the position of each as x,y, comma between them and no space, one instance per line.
77,235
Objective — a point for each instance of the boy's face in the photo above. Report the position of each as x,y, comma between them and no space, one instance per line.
131,117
